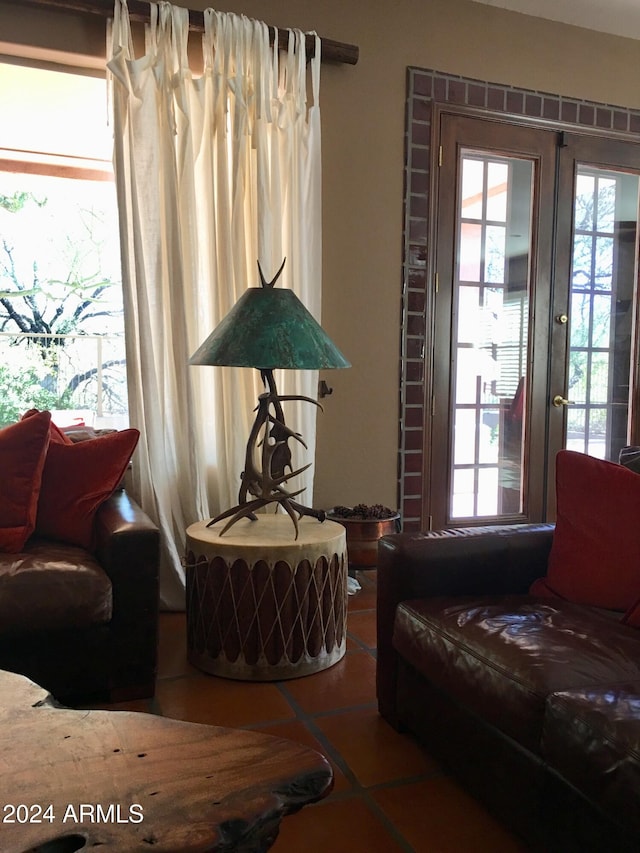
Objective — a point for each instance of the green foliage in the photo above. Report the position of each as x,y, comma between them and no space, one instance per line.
15,202
21,389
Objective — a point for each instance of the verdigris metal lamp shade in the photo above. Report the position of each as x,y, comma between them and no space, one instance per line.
269,328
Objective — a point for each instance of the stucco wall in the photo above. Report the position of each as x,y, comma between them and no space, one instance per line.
363,155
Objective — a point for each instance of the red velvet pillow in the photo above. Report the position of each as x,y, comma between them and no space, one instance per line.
23,448
56,434
76,479
632,616
595,555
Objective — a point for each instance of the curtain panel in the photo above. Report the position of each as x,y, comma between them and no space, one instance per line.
215,171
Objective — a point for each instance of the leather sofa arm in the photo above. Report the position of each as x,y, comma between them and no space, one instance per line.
465,561
127,545
491,560
128,549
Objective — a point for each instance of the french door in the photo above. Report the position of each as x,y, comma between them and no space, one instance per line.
533,327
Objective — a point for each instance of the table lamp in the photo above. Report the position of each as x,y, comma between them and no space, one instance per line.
268,329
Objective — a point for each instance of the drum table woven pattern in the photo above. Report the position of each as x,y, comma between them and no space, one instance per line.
263,606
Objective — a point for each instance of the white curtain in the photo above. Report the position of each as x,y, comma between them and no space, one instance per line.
214,172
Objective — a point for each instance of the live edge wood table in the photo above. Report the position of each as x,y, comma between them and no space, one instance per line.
124,782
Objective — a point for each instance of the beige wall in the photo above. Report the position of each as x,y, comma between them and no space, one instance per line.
363,154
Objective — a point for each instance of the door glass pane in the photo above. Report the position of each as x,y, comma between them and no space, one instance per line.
604,262
468,379
495,253
605,237
465,426
498,181
490,335
467,312
470,251
584,201
464,492
473,189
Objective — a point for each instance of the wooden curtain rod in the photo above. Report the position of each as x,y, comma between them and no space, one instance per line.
332,51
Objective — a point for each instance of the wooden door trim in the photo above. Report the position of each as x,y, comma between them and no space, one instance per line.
458,131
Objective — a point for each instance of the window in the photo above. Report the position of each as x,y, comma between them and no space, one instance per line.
602,289
61,317
490,333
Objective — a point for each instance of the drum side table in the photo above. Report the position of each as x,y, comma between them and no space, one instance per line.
262,605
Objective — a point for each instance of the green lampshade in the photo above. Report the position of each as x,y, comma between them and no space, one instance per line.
269,328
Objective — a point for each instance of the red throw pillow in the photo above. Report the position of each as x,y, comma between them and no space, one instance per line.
76,479
56,433
595,555
632,616
541,588
23,448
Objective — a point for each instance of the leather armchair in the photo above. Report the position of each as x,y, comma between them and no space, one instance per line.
113,657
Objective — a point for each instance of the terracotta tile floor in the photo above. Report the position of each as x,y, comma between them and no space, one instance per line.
389,795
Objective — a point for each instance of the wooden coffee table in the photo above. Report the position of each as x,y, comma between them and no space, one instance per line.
121,781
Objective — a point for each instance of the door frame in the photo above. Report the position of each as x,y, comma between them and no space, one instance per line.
508,139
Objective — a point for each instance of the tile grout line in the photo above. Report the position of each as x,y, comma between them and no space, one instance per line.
357,790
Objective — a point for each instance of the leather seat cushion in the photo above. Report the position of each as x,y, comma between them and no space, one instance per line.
501,656
51,585
592,738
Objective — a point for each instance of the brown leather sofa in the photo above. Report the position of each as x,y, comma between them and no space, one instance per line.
85,625
533,704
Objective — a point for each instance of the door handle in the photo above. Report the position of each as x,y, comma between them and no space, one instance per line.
559,400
